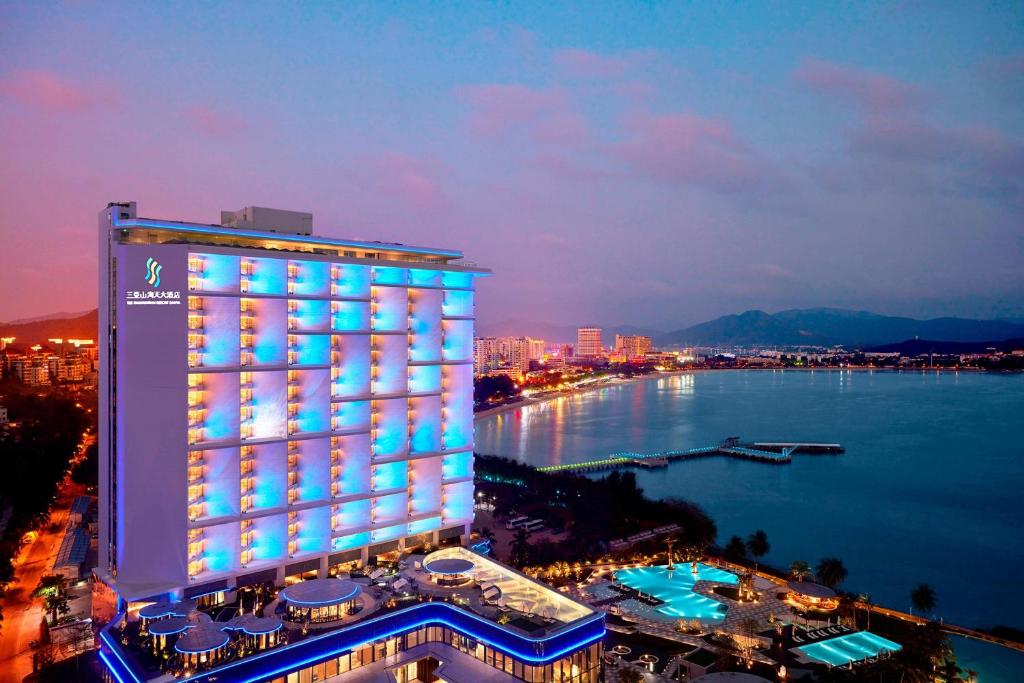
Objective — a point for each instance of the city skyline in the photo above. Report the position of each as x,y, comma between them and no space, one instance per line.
646,166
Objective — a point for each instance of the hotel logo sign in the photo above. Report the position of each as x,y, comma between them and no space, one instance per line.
154,296
153,269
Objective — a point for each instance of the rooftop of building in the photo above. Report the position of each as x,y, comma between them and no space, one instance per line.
73,548
272,230
490,603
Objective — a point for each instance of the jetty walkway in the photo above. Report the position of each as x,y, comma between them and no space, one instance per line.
778,453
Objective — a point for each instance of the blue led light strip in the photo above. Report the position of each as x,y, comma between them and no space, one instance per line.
110,667
279,237
246,675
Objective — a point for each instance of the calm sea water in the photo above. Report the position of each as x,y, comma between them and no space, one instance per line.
930,489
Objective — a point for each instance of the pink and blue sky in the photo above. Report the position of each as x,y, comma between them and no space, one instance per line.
647,163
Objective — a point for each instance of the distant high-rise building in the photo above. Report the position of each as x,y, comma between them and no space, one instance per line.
485,355
632,345
515,352
536,349
588,342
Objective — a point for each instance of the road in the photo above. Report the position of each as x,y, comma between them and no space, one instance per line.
22,612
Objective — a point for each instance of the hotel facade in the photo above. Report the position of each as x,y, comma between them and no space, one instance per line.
275,405
276,402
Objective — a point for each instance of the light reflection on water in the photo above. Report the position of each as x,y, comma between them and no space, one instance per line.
932,473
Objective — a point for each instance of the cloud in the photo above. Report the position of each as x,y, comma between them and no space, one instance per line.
895,126
979,148
870,90
214,124
46,90
410,179
547,114
689,149
586,64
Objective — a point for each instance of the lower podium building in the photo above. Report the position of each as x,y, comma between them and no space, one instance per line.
451,615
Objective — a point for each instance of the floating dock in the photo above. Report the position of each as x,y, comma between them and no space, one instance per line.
777,453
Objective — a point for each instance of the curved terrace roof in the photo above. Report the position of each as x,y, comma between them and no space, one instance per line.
320,592
449,565
256,627
166,609
201,639
166,627
812,590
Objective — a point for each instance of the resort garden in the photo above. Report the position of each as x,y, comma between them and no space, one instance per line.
678,601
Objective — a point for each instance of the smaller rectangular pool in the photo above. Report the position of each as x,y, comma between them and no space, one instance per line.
852,647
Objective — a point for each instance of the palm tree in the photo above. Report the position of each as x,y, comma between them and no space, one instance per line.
52,587
520,549
799,570
757,545
670,542
830,571
865,600
923,598
486,534
735,550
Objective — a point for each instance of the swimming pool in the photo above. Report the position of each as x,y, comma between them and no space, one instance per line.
849,648
675,589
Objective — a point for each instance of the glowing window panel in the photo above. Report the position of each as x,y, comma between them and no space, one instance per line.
309,315
457,303
424,525
350,416
350,280
390,475
220,272
458,340
312,349
458,465
424,278
311,278
350,316
389,311
424,378
457,279
269,276
350,541
389,533
390,276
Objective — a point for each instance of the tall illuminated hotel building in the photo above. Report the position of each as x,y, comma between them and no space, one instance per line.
277,402
278,408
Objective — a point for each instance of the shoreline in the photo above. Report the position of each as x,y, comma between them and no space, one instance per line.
525,402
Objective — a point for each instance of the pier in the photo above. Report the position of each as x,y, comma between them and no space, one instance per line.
776,453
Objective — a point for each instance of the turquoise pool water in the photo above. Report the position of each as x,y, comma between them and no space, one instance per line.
849,648
675,589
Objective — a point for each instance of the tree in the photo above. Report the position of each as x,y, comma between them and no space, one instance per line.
53,589
865,600
486,534
757,545
830,571
630,674
520,549
799,570
735,550
923,598
494,388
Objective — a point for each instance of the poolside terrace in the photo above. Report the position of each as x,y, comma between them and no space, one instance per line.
515,615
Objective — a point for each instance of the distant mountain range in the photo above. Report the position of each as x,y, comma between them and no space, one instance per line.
832,326
917,347
797,327
29,331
